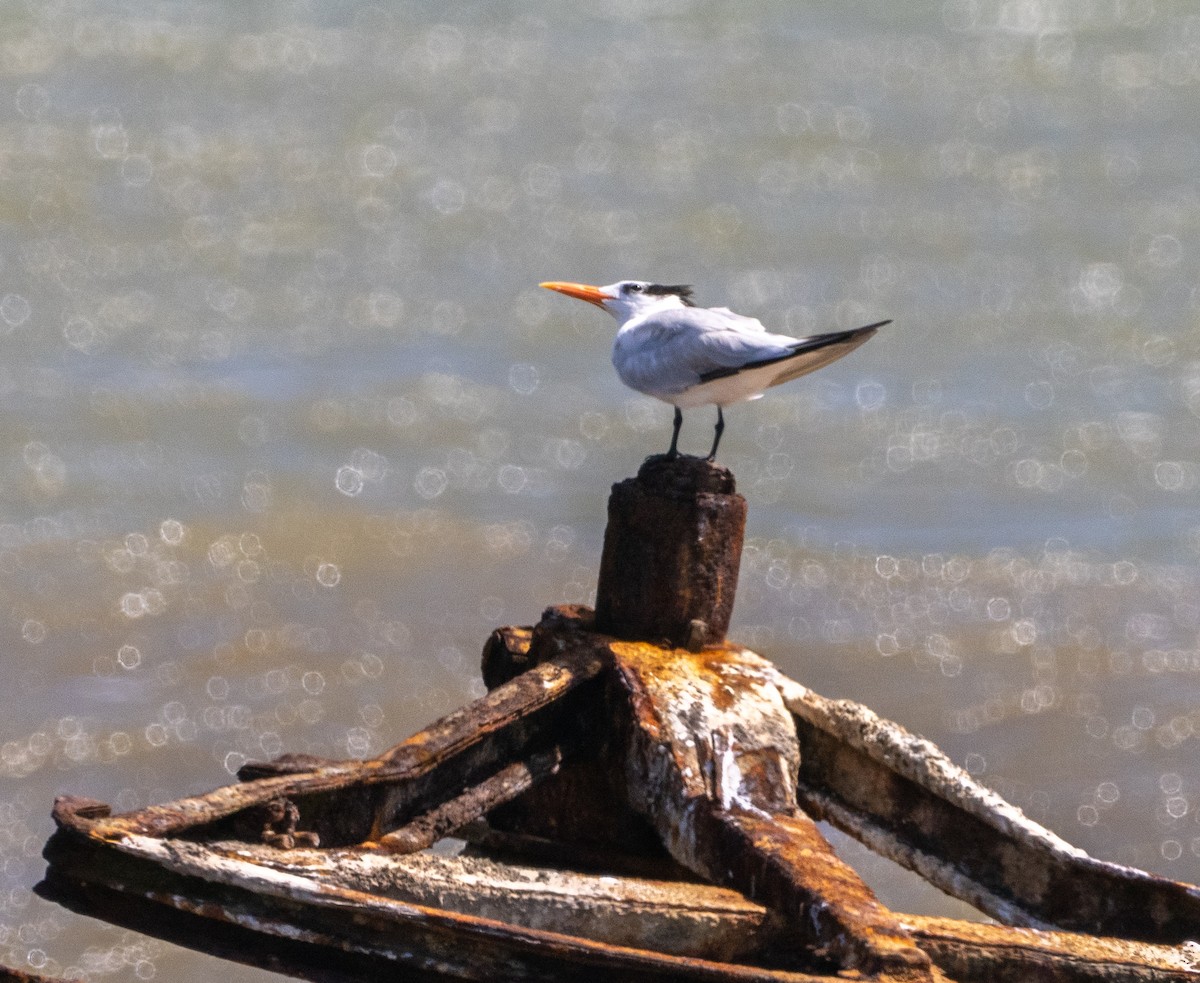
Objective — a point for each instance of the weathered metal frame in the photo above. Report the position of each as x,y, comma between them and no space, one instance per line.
685,773
725,808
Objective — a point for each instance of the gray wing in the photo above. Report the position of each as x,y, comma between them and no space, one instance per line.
670,351
804,355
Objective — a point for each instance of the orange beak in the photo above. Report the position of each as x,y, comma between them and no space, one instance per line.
593,295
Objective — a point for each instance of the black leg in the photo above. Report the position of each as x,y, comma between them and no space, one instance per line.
674,451
717,435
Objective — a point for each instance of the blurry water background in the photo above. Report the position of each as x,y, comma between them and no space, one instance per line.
287,426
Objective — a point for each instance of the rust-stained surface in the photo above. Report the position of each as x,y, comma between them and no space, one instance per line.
899,794
791,868
229,887
672,917
711,759
1002,954
671,553
633,810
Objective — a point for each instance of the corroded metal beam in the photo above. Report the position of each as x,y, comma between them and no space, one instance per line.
711,760
474,802
974,951
356,800
904,798
228,887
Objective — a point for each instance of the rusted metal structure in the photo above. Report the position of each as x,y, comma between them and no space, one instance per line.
639,800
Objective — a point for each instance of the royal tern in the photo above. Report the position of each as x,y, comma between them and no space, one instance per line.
687,356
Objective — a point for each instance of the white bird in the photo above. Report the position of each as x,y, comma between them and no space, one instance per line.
669,348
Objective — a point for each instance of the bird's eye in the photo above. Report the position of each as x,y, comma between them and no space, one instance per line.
633,288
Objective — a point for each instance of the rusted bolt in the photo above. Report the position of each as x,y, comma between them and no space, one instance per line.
279,829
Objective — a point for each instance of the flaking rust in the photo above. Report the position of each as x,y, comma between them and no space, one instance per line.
671,553
645,795
712,757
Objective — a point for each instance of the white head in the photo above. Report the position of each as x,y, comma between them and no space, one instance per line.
628,298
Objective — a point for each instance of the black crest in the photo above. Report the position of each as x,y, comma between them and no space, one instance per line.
680,290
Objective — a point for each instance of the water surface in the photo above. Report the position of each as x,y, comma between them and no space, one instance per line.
288,428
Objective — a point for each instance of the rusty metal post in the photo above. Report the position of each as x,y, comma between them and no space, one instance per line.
671,553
